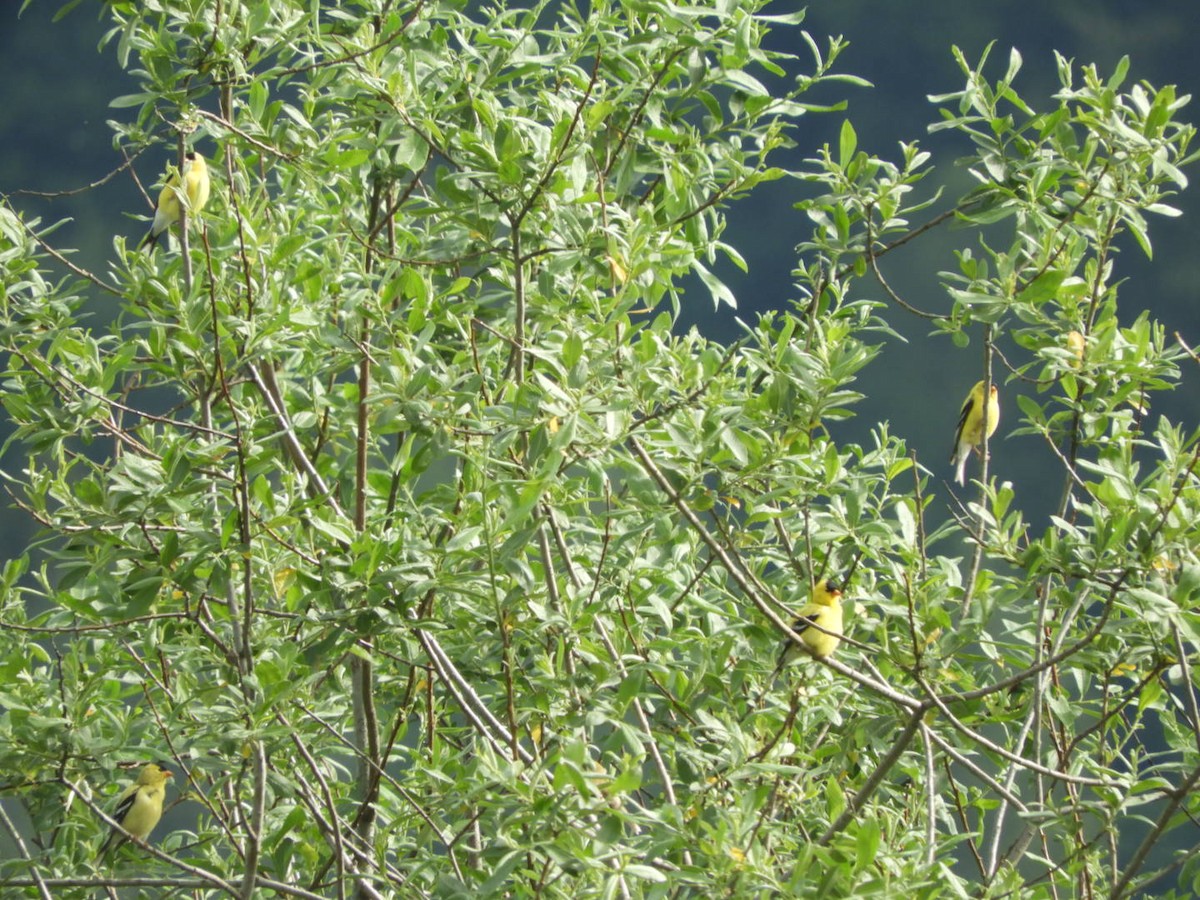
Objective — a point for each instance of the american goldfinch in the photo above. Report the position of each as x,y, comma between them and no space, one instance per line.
824,609
139,808
194,192
970,427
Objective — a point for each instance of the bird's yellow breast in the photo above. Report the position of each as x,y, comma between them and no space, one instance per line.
829,618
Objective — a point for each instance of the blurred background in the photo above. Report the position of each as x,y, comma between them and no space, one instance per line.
59,85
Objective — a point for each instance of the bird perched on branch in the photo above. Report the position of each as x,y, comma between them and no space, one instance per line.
819,623
970,427
192,191
139,808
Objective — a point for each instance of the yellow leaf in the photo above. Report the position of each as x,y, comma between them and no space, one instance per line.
1163,563
283,579
1076,343
618,269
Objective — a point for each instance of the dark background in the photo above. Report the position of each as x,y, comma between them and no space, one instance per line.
58,86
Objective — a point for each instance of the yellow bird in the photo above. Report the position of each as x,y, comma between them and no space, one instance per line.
824,610
139,807
194,192
970,427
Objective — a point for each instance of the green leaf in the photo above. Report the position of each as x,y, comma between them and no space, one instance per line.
847,144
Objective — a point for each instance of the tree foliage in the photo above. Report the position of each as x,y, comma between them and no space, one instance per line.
391,511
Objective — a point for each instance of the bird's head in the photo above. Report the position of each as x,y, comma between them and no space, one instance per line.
828,592
152,773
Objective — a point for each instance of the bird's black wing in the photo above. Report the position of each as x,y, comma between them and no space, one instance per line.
799,626
962,423
117,836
